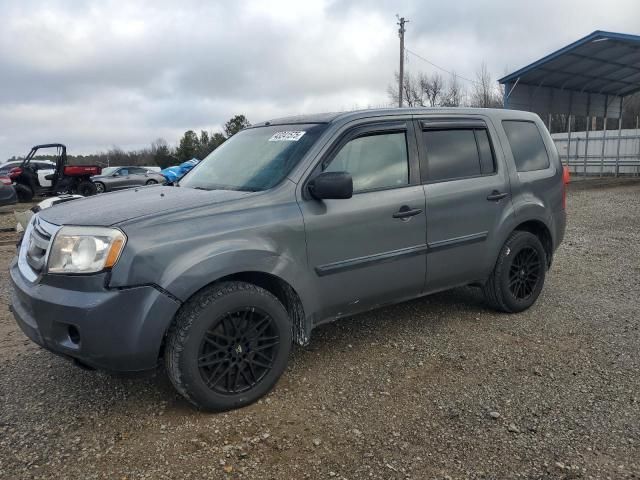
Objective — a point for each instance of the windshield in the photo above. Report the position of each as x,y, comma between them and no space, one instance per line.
254,159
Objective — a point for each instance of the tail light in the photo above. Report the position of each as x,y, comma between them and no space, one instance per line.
5,180
15,173
566,178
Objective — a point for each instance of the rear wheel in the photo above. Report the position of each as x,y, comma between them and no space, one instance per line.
228,346
86,188
151,182
100,188
519,273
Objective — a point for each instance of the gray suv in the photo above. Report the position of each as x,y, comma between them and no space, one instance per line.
288,225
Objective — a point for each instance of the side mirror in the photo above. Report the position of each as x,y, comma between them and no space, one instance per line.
115,174
331,185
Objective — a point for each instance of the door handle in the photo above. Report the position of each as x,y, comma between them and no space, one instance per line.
406,212
496,196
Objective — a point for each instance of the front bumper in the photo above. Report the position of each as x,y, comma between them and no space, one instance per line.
111,329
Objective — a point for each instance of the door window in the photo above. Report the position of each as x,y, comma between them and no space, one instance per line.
527,146
374,161
123,171
457,153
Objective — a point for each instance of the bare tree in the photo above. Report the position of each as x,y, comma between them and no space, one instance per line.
485,93
432,87
453,97
412,93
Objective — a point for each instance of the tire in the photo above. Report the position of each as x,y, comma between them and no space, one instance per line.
211,355
86,188
100,188
151,182
518,276
24,193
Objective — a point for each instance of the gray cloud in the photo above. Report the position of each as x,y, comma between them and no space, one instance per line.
97,74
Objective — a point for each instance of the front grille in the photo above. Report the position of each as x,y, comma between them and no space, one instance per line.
35,247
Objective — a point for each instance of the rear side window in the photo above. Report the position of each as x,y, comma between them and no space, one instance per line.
374,161
527,146
457,153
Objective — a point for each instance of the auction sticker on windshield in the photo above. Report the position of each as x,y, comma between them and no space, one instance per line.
290,136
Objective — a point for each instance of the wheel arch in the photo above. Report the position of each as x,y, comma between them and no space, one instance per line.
284,292
274,284
541,230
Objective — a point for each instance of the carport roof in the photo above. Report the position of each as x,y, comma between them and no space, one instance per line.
604,63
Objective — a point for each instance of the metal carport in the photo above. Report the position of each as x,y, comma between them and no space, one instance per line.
589,77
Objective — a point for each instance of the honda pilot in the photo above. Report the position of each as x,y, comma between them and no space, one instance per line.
290,224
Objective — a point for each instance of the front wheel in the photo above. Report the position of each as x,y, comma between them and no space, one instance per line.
100,188
518,276
228,346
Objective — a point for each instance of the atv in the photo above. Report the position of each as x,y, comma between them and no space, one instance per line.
63,179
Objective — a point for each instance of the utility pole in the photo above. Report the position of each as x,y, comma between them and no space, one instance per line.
401,30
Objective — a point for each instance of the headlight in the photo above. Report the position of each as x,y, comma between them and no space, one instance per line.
85,249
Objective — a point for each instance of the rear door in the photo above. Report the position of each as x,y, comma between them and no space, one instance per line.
137,176
467,195
368,250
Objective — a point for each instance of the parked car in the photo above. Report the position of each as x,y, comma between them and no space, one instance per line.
117,178
7,192
291,224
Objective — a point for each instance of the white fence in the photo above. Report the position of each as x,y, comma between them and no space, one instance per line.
617,154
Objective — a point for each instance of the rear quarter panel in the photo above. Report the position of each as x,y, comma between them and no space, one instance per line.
536,195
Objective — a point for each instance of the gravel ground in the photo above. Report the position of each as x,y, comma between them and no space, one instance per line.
439,387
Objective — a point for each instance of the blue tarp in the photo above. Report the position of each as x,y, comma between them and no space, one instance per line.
173,174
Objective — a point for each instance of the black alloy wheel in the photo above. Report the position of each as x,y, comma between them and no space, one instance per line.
524,273
518,275
238,351
228,345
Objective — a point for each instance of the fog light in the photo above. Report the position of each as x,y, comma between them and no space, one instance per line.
74,335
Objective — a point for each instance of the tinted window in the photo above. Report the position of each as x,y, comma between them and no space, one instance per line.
137,170
123,171
527,146
487,164
451,154
375,161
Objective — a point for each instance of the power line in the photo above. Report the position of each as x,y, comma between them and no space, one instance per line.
439,67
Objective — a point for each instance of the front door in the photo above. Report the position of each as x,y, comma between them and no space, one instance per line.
467,193
370,249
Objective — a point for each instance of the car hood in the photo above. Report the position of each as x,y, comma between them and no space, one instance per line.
113,208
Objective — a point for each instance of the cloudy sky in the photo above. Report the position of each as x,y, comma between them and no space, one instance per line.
104,73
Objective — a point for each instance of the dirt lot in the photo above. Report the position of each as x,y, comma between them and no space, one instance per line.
440,387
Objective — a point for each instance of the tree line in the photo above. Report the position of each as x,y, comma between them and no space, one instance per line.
433,90
160,153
